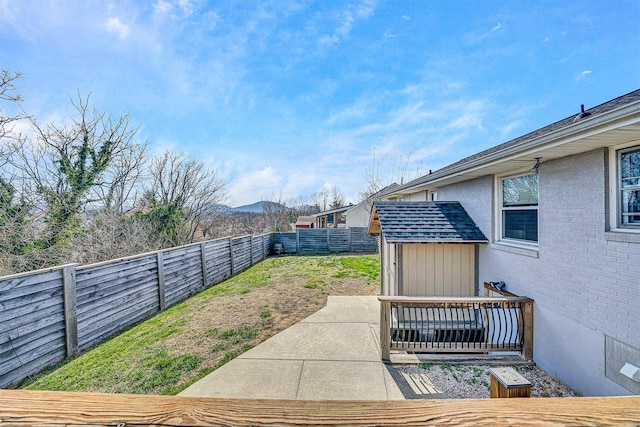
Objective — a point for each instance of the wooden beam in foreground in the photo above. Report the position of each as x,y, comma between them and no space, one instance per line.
24,408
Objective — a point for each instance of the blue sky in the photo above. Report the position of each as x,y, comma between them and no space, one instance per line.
286,98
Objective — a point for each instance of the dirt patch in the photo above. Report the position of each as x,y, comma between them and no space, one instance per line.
223,327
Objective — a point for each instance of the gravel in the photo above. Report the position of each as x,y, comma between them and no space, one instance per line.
472,381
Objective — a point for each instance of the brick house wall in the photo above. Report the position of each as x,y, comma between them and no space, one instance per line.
585,284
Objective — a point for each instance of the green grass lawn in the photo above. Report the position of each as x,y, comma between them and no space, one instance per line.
169,352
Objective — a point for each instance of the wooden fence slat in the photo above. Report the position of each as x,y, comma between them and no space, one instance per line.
203,260
161,292
231,256
70,310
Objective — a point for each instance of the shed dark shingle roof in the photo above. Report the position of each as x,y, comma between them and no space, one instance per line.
425,222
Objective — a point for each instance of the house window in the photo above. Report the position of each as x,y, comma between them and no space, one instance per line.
629,187
519,208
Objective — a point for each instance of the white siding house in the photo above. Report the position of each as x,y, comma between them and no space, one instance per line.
358,215
561,208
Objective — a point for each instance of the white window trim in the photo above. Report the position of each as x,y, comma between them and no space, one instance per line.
614,190
498,239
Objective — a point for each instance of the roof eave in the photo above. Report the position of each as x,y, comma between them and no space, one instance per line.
428,241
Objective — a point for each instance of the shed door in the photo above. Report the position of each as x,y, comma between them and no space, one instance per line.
438,270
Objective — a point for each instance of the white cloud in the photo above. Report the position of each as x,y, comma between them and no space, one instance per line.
255,185
116,26
358,112
7,13
496,28
583,75
161,8
469,115
507,130
361,11
186,6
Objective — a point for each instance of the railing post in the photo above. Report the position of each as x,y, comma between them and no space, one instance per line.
527,346
161,293
70,309
385,330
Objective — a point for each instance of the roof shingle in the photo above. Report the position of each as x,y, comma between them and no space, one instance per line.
426,222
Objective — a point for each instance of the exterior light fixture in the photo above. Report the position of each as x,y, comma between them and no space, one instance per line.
537,165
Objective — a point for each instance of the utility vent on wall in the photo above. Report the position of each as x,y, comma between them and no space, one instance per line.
617,356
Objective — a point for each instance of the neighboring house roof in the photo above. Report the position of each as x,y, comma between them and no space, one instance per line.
581,132
424,222
369,200
331,211
305,220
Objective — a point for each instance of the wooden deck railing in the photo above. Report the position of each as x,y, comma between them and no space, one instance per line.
456,325
28,408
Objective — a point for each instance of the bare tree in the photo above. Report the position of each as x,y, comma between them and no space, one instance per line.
321,199
183,194
276,214
376,179
303,206
373,178
123,180
66,163
337,198
9,95
326,199
109,235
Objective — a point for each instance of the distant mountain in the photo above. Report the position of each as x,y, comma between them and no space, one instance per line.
257,207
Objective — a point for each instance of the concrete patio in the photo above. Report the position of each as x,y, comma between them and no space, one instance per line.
334,354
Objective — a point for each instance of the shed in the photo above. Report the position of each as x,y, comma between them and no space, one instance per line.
426,248
306,222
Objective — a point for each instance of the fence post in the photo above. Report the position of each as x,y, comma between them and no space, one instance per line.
265,246
70,309
298,241
161,292
385,330
251,249
527,347
233,268
203,258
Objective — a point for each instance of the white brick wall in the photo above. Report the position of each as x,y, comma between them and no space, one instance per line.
582,284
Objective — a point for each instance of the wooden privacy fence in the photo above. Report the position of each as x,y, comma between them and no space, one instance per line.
456,325
326,240
47,315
